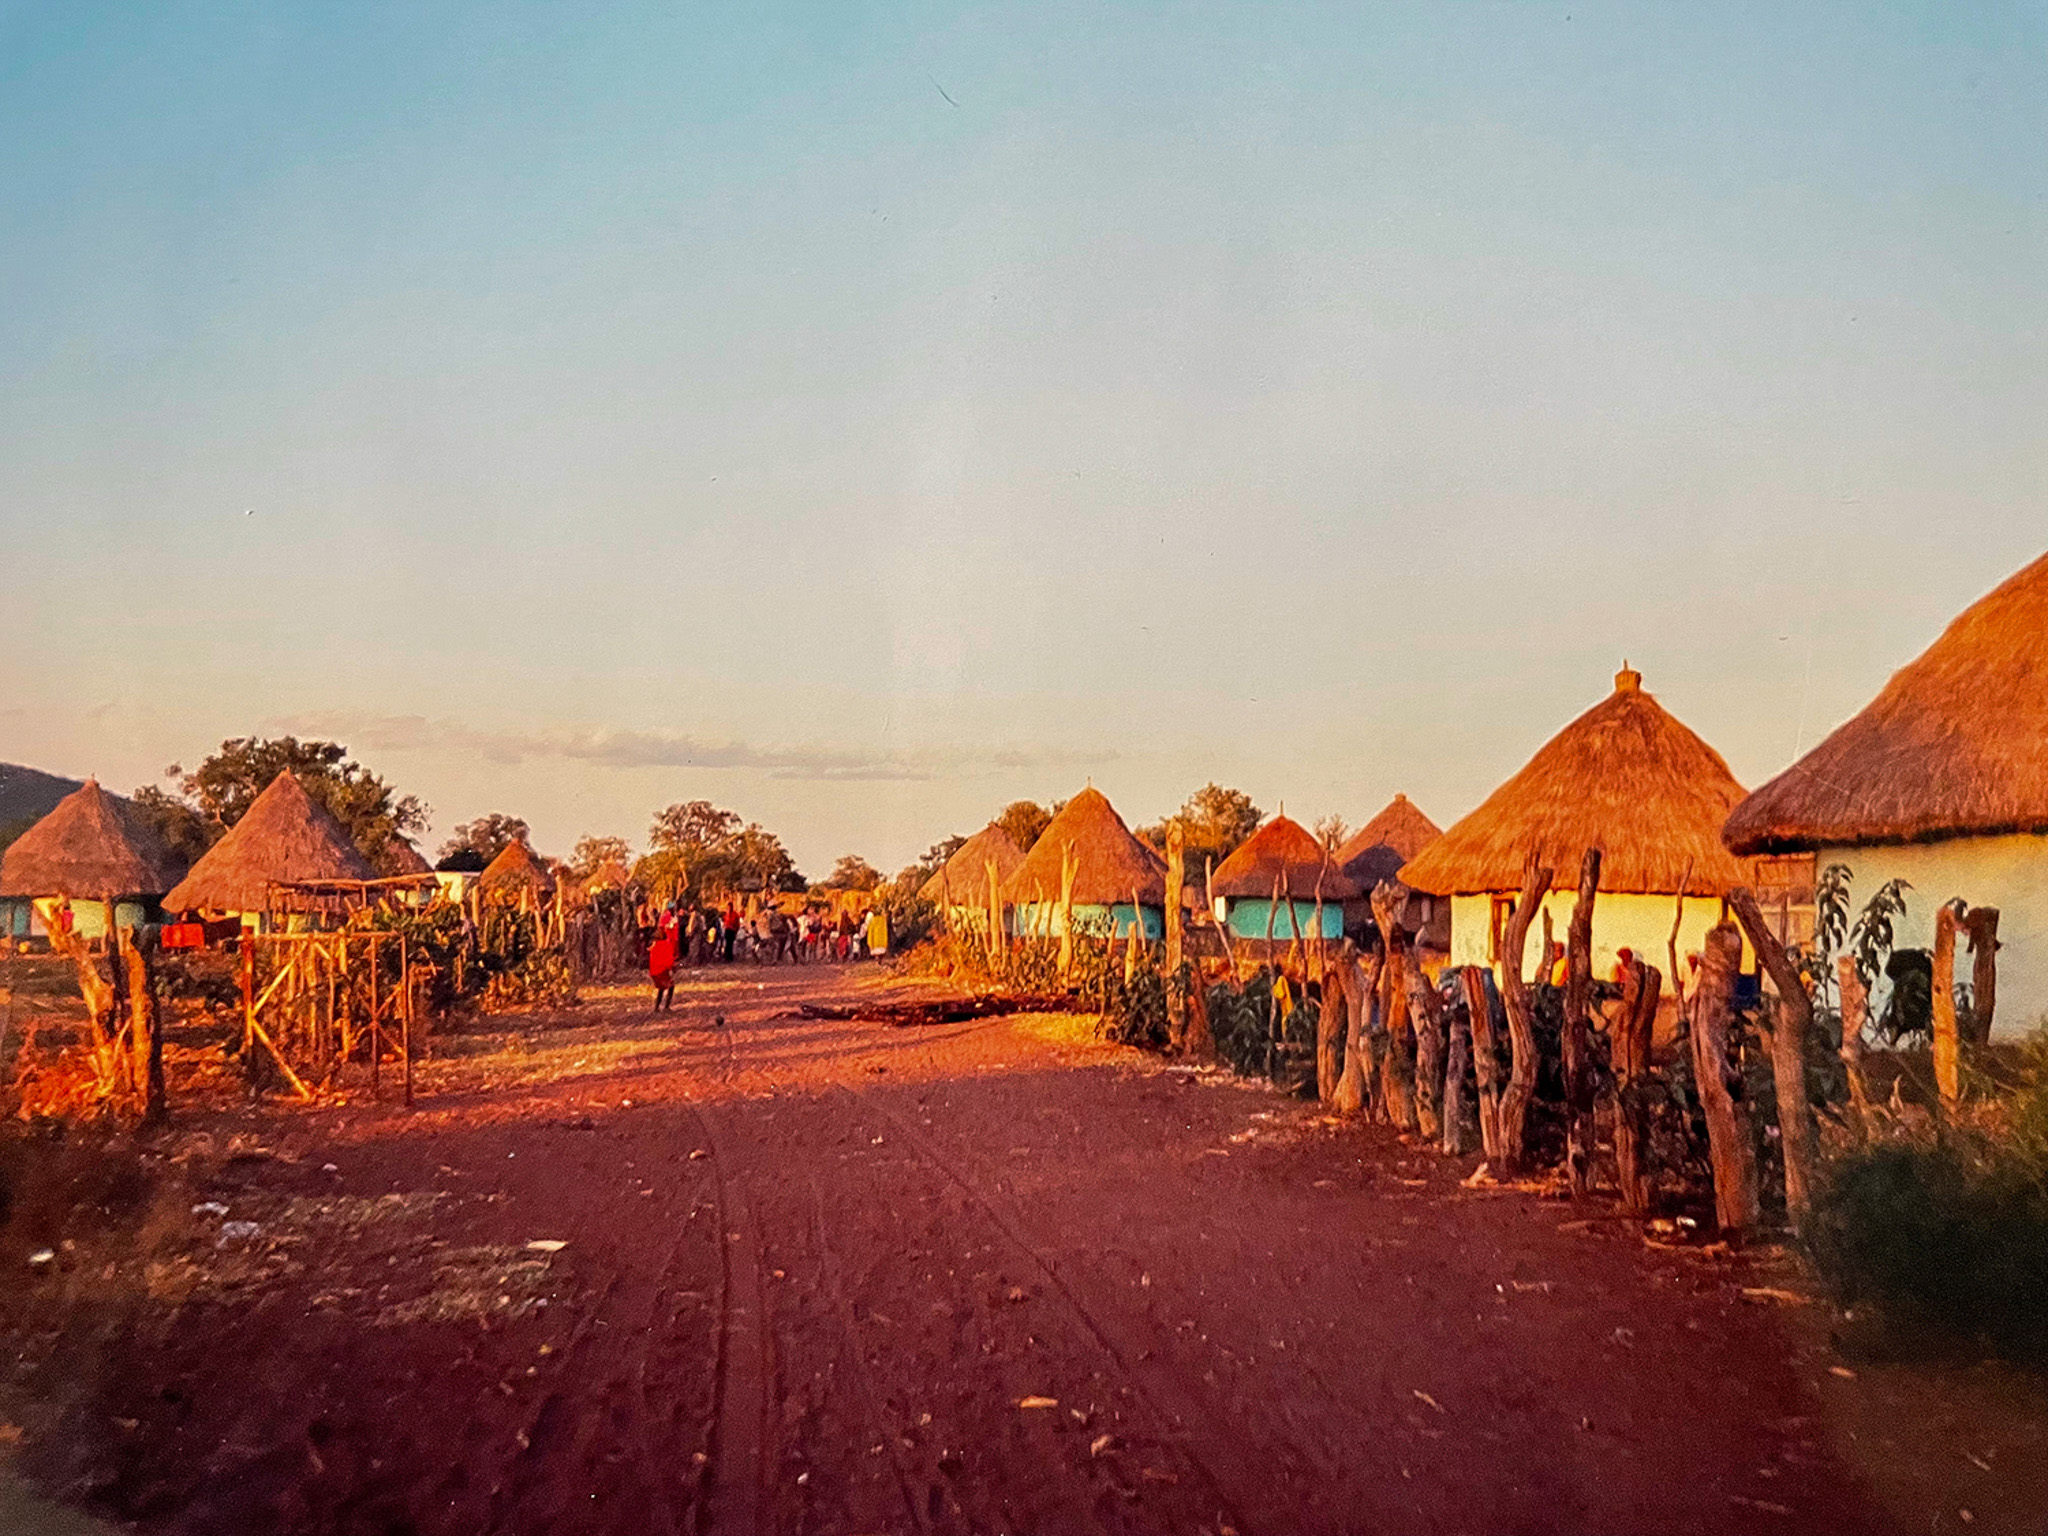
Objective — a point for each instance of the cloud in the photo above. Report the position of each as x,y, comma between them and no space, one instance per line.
608,748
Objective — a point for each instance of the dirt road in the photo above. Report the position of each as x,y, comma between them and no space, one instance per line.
780,1274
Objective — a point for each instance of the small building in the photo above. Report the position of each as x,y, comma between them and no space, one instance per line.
1942,782
961,884
518,872
1376,852
286,837
1280,882
92,852
1117,879
1626,777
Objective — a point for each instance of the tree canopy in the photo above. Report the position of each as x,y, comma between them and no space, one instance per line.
710,852
482,840
852,873
592,854
1024,820
218,793
1213,821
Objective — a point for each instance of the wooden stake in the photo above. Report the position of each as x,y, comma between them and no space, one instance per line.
1355,1081
1578,1038
1798,1136
1633,1027
1981,925
1728,1128
1069,866
1855,1009
1947,1055
1330,1030
1485,1057
1457,1059
1514,996
1397,1068
1176,881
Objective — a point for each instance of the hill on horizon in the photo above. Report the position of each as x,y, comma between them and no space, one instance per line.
27,795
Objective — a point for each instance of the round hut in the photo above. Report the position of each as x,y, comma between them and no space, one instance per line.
1282,859
92,851
1941,781
515,871
1117,879
1376,852
961,885
285,837
1626,777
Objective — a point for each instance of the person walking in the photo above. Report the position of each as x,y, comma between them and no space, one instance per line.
661,961
732,928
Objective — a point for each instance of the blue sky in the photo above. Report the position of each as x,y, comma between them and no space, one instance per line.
865,416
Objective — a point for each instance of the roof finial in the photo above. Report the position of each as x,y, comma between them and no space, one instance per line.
1628,680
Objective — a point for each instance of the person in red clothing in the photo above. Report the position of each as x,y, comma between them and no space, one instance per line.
661,960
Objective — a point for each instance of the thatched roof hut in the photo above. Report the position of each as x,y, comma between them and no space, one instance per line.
1282,855
517,869
92,846
1377,850
399,858
1113,865
963,879
286,835
1626,777
1955,746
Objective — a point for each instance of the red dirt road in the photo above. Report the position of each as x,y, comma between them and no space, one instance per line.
811,1272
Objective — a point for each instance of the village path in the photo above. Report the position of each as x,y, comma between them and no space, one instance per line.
819,1275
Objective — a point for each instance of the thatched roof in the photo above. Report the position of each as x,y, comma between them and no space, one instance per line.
285,835
401,858
963,879
517,868
1113,863
1624,777
93,845
1377,850
1283,853
1955,746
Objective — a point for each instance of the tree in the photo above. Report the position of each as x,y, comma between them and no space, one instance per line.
484,839
706,849
177,825
852,873
1331,832
1024,820
1212,821
693,825
593,853
219,792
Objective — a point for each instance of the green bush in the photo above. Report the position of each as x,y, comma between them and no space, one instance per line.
1949,1236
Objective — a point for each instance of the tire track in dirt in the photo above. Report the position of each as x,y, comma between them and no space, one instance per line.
1159,1393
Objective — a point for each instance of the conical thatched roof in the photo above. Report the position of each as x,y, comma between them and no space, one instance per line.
1286,854
1113,863
93,845
1624,777
401,858
1377,850
285,835
1955,746
516,868
963,879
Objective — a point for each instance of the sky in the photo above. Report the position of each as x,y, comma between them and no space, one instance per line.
865,416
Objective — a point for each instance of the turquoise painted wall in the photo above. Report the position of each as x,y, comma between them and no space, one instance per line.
1247,919
1032,919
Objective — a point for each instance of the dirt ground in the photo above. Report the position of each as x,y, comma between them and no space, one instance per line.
735,1270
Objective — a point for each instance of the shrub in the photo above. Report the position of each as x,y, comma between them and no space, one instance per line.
1949,1235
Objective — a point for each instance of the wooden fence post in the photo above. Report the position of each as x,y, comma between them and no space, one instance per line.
1728,1130
1578,1037
1457,1058
1514,996
1397,1069
1947,1056
1425,1010
1797,1135
1330,1027
1981,924
1633,1026
1176,885
1355,1080
1485,1060
1855,1009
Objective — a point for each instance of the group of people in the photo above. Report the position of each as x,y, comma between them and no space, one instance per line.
678,933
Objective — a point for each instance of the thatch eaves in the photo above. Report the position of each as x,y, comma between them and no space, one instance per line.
400,857
963,879
285,836
1284,855
1377,850
517,868
93,846
1113,864
1956,744
1625,777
